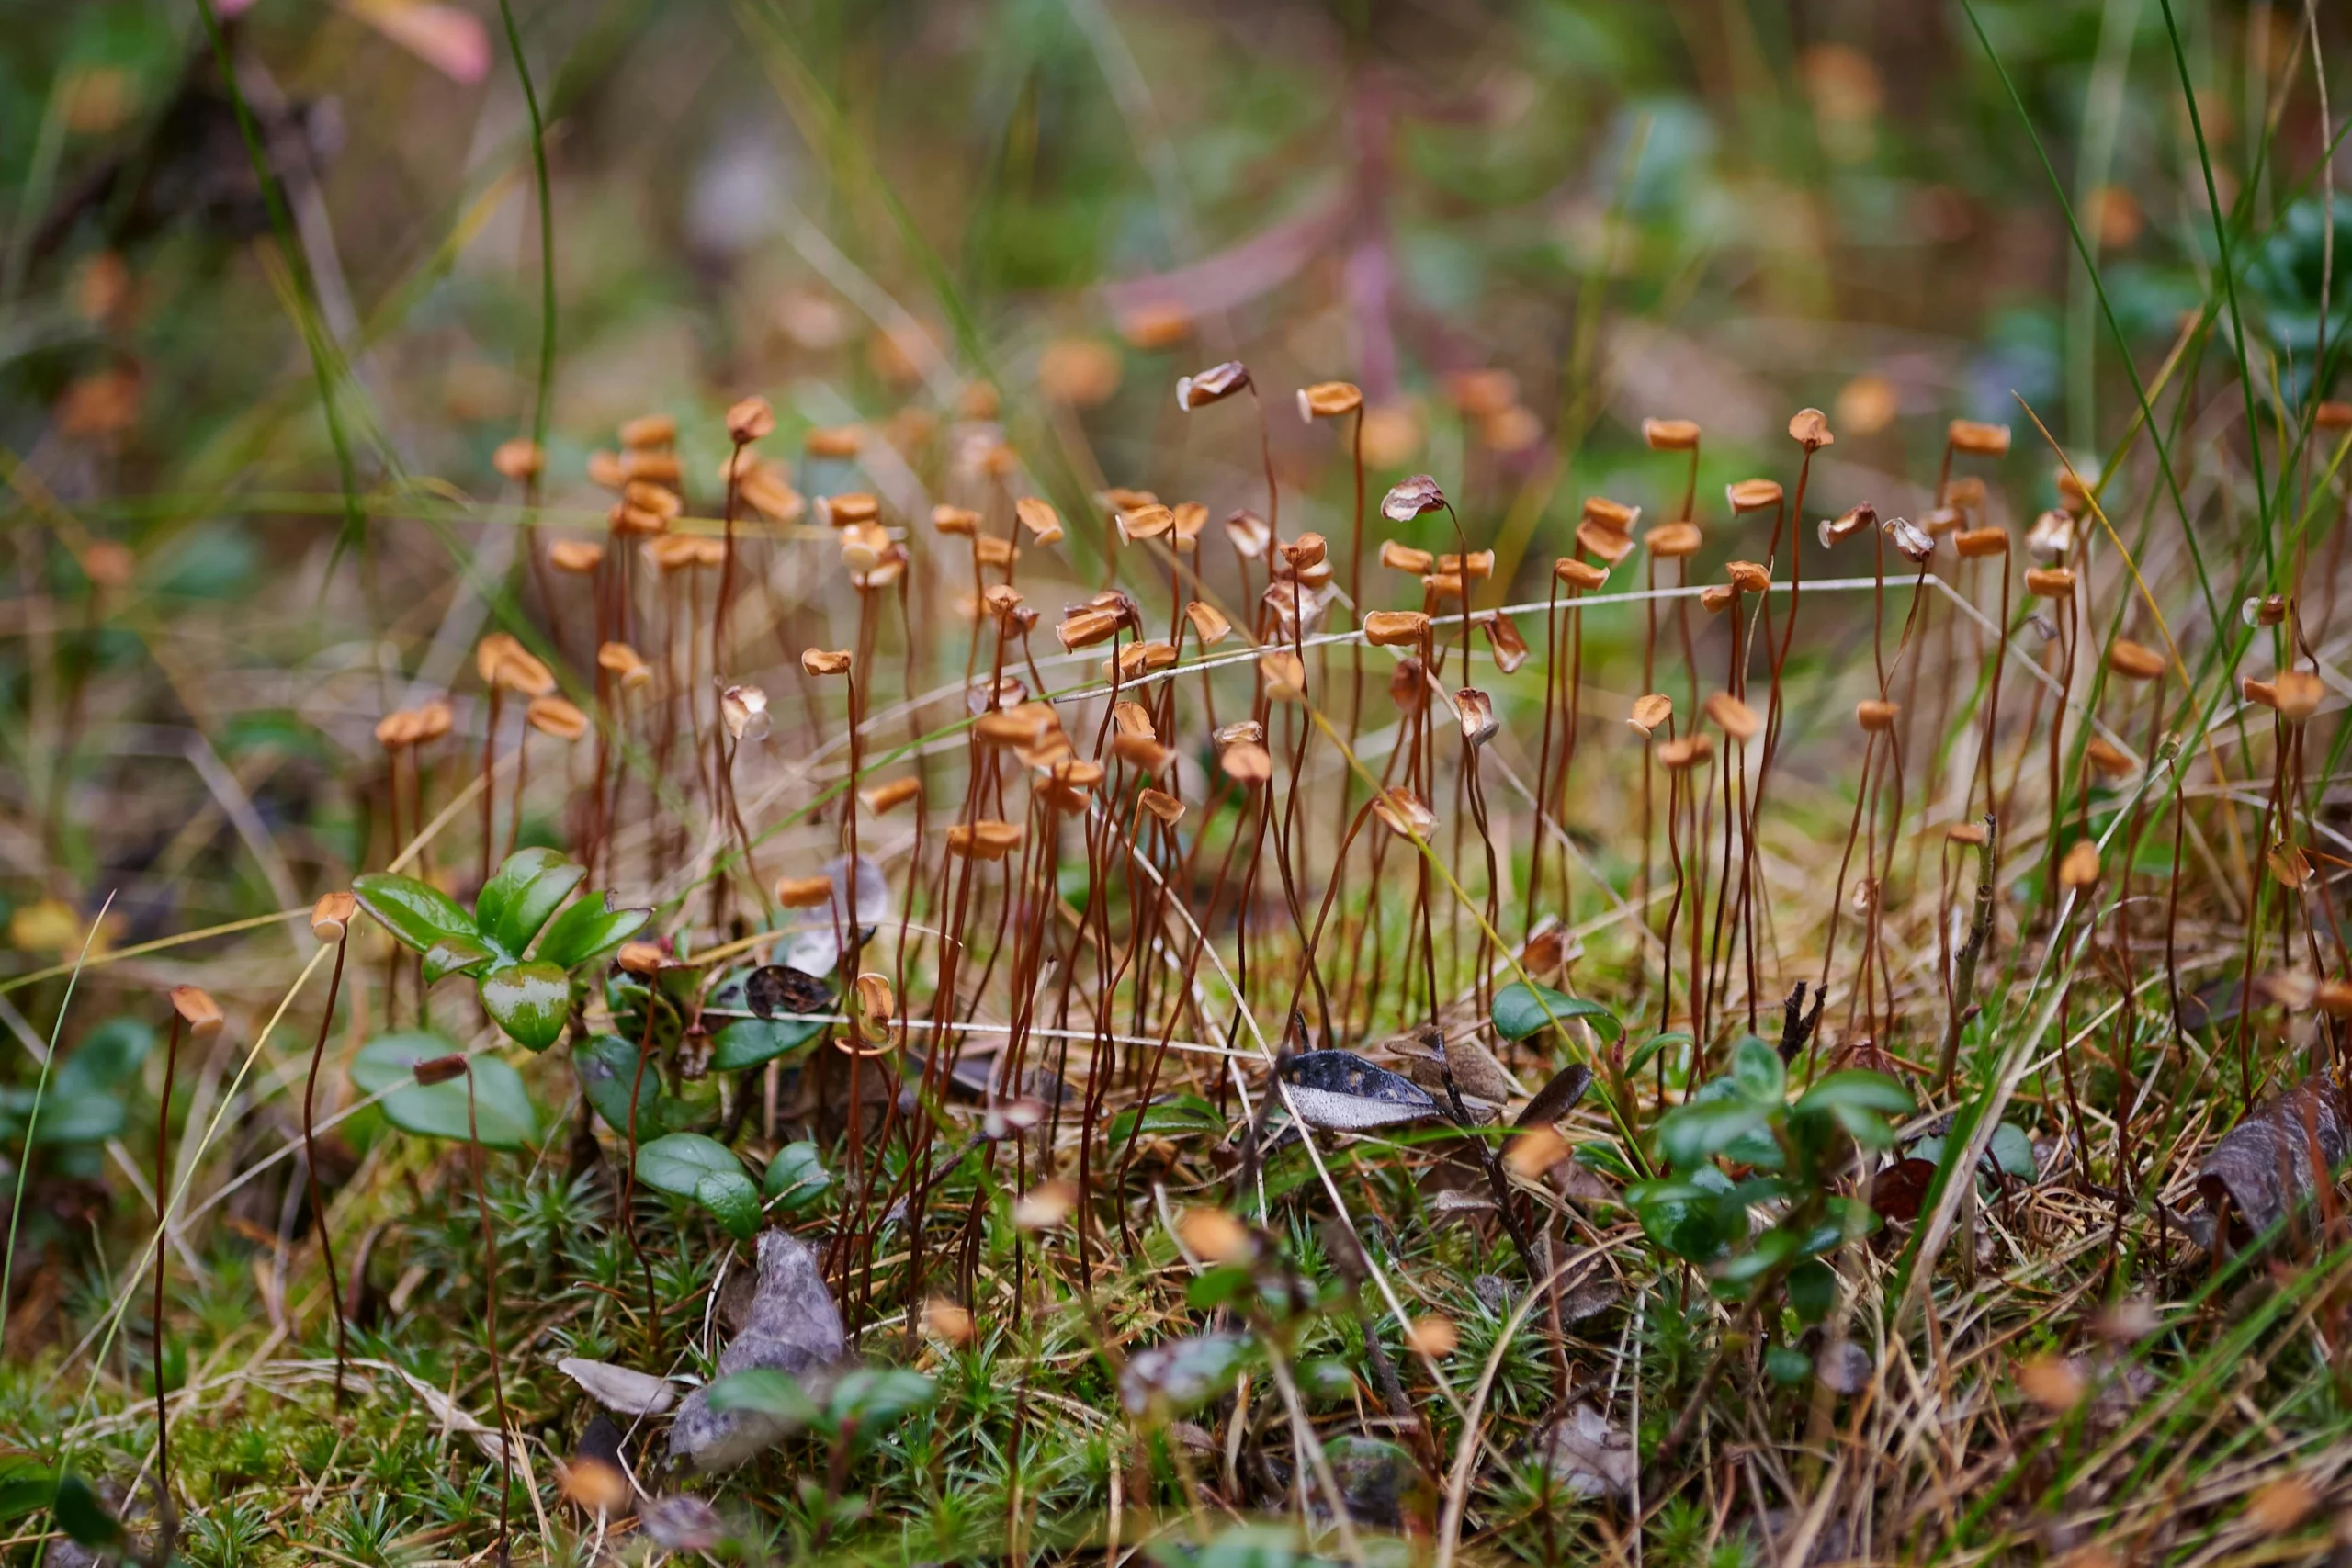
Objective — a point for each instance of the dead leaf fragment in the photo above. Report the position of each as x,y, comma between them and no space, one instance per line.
793,1327
2262,1167
620,1389
1591,1457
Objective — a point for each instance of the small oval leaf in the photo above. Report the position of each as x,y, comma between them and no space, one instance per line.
502,1110
529,1001
749,1041
704,1171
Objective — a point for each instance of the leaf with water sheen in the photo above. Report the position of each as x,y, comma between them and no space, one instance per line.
529,1001
590,929
765,1391
872,1397
455,955
796,1178
520,895
417,913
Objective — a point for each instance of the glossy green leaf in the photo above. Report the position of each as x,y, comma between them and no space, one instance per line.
520,895
455,955
704,1171
1788,1366
1772,1250
1182,1374
1693,1133
1521,1009
502,1109
749,1041
529,1001
417,913
606,1065
1695,1219
590,929
796,1178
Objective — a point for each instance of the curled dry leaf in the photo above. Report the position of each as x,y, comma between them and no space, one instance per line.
2265,1166
1844,1368
1403,813
1212,385
1411,498
1502,637
1590,1457
792,1325
1897,1191
1339,1091
1557,1098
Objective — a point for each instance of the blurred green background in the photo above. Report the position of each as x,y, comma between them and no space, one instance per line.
1714,209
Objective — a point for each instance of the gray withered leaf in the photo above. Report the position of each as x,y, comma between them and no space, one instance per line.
817,947
1591,1456
791,1325
680,1523
1844,1367
1339,1091
1588,1300
624,1389
1428,1057
2273,1160
1556,1098
1182,1374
